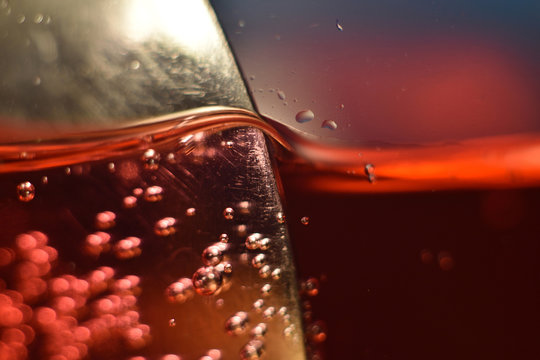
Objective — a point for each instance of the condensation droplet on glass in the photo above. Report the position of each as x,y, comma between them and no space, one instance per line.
105,220
338,25
369,170
264,243
276,274
212,255
224,238
329,124
252,241
304,116
207,280
165,226
153,193
265,271
38,18
172,322
253,350
228,213
259,331
281,94
26,191
266,289
134,65
305,220
151,159
236,324
191,211
258,261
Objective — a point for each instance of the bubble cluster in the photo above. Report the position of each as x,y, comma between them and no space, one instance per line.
207,280
26,191
237,323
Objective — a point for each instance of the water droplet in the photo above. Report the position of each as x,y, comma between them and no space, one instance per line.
258,261
105,220
264,243
151,159
259,331
305,220
253,350
258,305
338,25
127,248
281,94
212,255
276,274
134,65
269,313
252,241
369,170
180,290
153,193
21,19
129,202
207,280
172,322
310,287
224,238
329,124
265,271
266,289
38,18
165,226
26,191
304,116
237,323
228,213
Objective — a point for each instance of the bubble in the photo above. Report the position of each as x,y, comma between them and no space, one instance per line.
224,238
329,124
258,261
259,331
134,65
264,243
276,274
446,261
153,193
207,280
67,170
224,268
220,303
129,202
310,287
127,248
304,116
179,291
172,322
26,191
283,311
280,217
229,144
369,170
137,192
289,330
215,354
341,106
265,271
258,305
37,81
165,226
426,256
244,207
21,19
170,357
237,323
339,26
269,313
281,94
266,289
111,167
305,220
228,213
191,211
241,23
105,220
253,350
171,158
316,332
44,180
151,159
212,255
252,241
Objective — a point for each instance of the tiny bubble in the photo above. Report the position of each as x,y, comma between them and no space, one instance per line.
26,191
305,220
228,213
